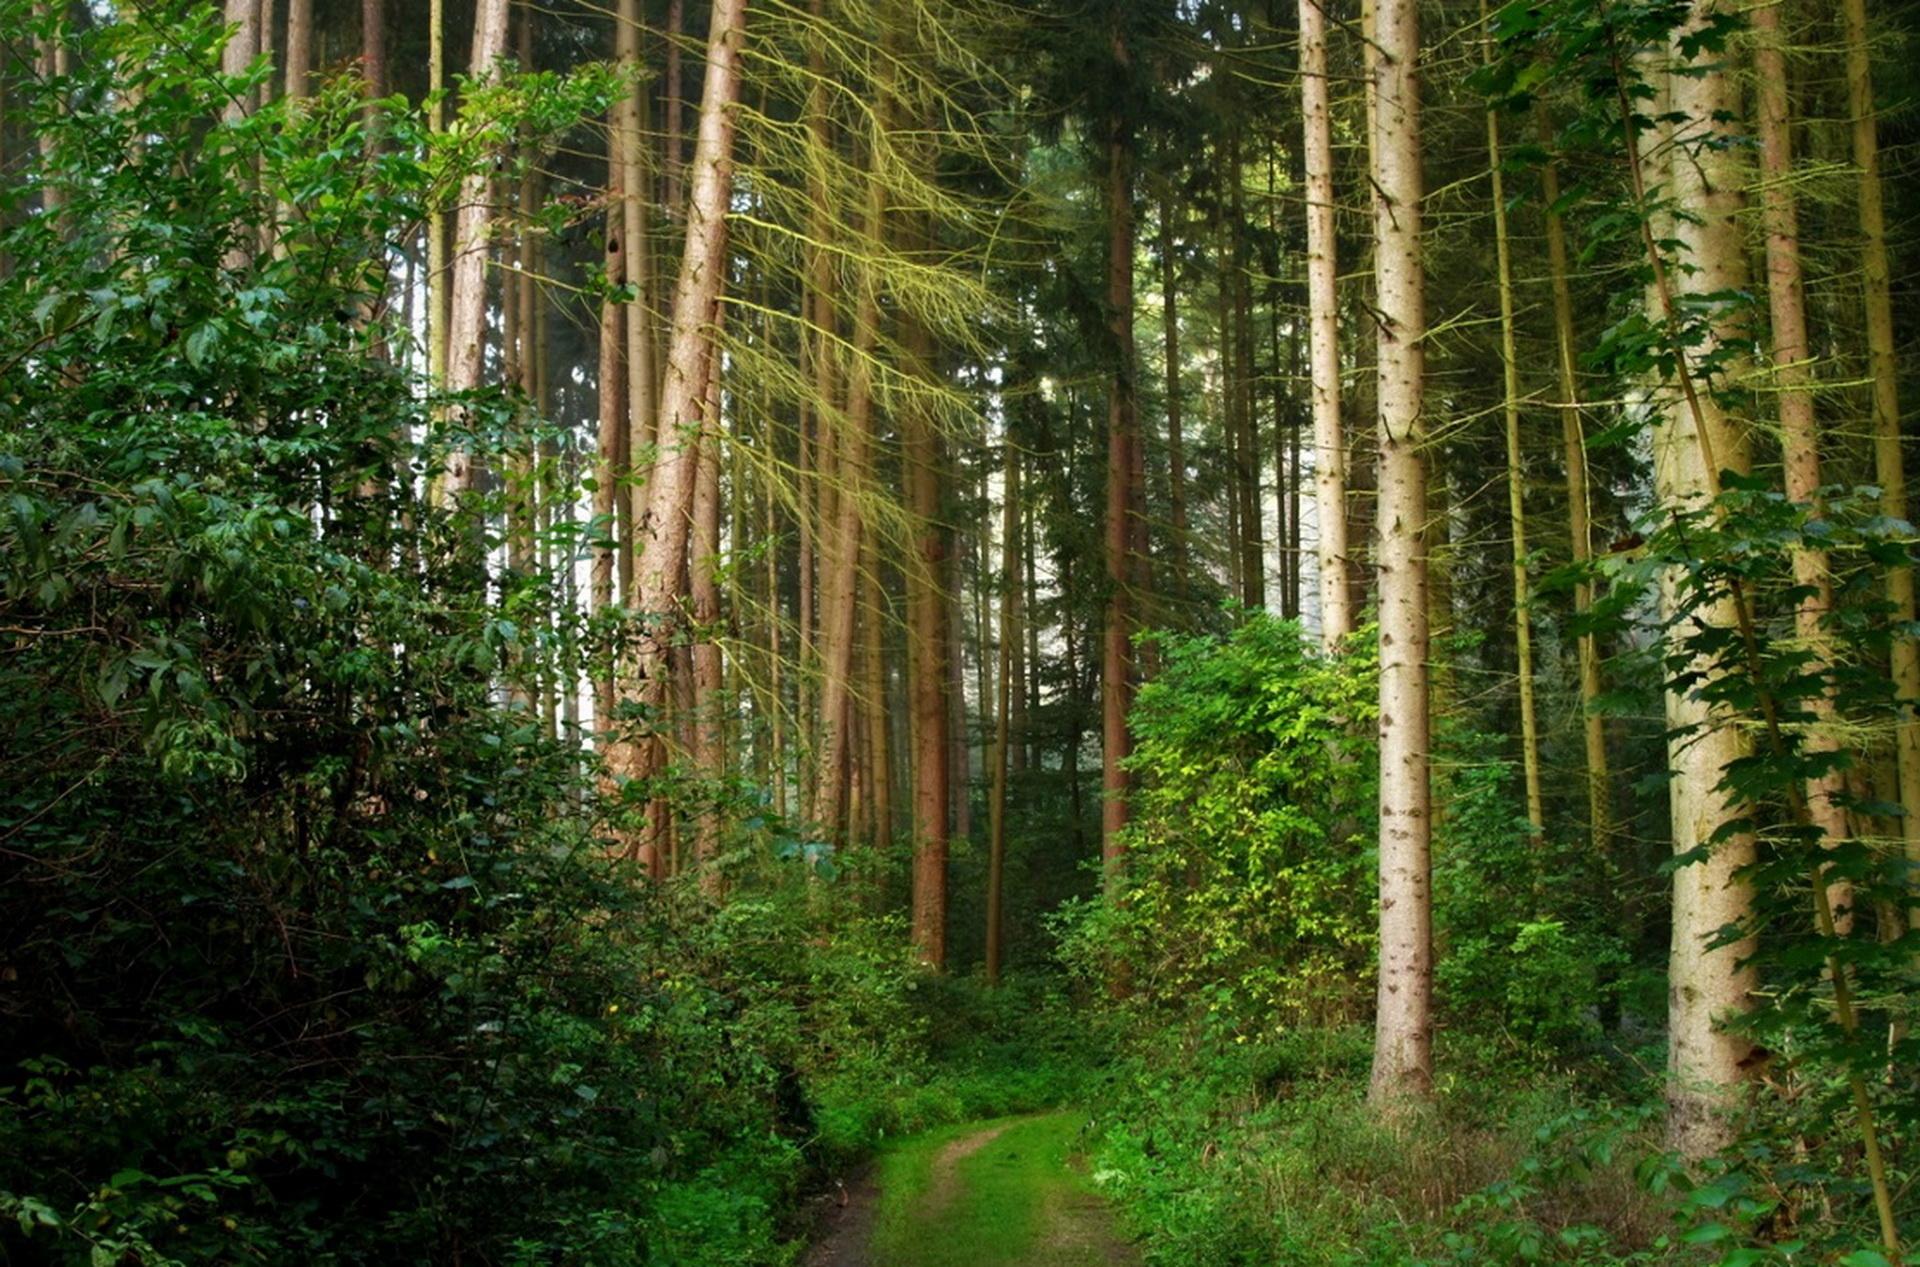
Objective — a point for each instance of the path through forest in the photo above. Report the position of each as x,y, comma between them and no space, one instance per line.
1005,1193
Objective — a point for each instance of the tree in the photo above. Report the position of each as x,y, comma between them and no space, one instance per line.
1403,1024
472,227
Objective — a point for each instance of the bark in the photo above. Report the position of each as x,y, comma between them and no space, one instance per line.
473,222
299,62
437,279
873,697
1883,366
670,99
840,580
1516,474
609,462
373,47
1176,443
1705,1061
1403,1033
1003,728
1574,458
1116,660
663,535
1253,561
1799,432
1323,323
642,389
709,753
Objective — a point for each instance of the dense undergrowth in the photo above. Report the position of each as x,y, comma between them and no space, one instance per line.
311,949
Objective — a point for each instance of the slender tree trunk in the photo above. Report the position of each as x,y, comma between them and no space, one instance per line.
1116,661
663,535
873,696
473,222
841,580
373,48
437,277
609,462
1516,475
1883,365
642,388
299,61
1003,728
671,100
1323,324
1574,451
1705,1060
1176,442
1799,433
709,755
1403,1033
927,650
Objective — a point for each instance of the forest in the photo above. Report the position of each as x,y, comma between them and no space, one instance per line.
898,633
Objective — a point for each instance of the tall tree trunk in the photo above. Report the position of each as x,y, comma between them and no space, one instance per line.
1403,1027
1883,365
298,66
663,535
473,221
373,47
1574,458
671,101
709,755
642,388
928,642
873,696
1116,660
1691,443
840,582
1516,473
1799,433
1253,560
1176,442
437,277
609,459
1323,325
1003,713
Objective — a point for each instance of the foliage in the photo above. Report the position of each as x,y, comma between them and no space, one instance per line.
1519,954
1243,904
309,949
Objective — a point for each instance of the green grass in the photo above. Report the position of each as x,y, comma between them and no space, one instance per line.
1017,1200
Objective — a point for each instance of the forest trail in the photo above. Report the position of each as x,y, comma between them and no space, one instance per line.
1005,1193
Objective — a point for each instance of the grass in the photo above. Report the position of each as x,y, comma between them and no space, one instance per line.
1017,1199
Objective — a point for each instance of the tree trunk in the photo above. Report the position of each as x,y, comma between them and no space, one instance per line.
1003,727
1323,325
1705,1061
1574,451
1176,442
709,755
1116,661
1883,366
373,48
437,278
299,62
473,222
663,535
1799,434
928,701
642,388
1516,474
840,581
1403,1033
609,461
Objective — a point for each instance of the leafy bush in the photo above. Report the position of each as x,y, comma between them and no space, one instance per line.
1245,901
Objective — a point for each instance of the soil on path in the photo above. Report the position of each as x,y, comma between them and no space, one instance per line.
998,1194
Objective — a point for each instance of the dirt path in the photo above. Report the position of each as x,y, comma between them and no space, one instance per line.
1008,1193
